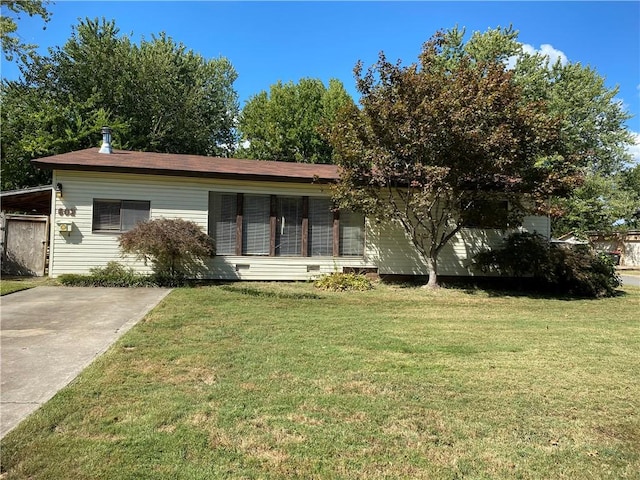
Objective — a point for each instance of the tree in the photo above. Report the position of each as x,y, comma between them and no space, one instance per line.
177,248
12,46
36,124
631,182
593,123
285,124
601,203
157,96
435,139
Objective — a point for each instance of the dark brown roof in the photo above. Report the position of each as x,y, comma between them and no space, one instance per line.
123,161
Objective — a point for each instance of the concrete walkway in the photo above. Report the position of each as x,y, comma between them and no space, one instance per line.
50,334
632,280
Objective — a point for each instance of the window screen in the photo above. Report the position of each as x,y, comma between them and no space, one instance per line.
289,226
255,225
320,227
119,215
222,222
132,213
351,234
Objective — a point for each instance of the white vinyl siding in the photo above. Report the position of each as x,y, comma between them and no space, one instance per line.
386,246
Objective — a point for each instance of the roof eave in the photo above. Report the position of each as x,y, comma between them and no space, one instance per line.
183,173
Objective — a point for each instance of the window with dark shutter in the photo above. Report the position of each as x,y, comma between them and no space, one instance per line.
487,213
273,225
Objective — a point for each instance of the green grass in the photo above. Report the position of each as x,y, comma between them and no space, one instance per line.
283,381
15,284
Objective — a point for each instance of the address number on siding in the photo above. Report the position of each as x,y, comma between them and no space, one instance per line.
67,212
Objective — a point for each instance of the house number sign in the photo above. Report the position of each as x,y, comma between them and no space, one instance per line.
67,212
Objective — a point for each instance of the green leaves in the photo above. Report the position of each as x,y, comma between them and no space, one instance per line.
156,95
286,124
436,137
11,11
177,248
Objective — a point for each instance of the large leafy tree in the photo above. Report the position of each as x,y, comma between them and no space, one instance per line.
593,124
592,119
435,139
11,10
156,95
286,124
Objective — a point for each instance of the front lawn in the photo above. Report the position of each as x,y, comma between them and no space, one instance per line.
15,284
268,381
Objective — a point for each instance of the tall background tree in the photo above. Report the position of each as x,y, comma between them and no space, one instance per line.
286,124
593,126
437,139
10,12
156,95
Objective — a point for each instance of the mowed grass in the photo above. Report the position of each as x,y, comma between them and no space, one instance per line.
15,284
270,381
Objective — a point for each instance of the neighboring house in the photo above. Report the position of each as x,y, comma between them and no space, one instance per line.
624,245
270,220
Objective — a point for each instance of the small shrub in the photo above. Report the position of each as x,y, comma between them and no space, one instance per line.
177,248
340,282
582,272
75,280
113,275
576,271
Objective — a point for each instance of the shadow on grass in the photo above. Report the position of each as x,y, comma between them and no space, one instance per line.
258,292
496,287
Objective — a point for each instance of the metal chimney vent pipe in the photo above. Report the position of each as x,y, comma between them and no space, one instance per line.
106,140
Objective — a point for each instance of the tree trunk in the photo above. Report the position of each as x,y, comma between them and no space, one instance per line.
432,265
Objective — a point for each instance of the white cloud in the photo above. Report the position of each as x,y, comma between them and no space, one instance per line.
634,150
546,50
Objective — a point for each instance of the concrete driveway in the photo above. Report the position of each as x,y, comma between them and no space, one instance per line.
633,280
50,334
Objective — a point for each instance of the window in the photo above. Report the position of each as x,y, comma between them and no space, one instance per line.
289,226
119,215
255,225
487,213
351,234
320,227
222,224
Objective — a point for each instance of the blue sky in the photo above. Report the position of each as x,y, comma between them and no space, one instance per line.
271,41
